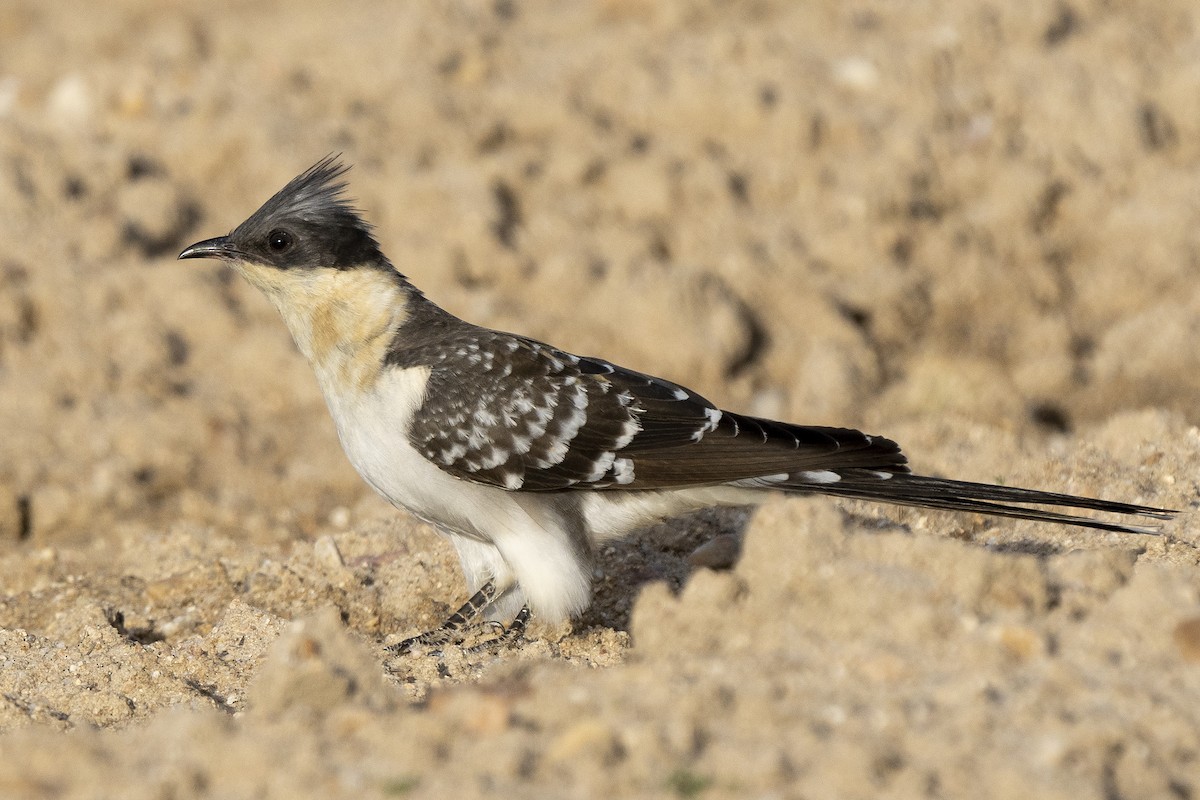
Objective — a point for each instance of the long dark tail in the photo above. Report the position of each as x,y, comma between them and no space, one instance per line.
906,489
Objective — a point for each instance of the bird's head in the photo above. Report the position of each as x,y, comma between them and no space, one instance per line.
308,226
317,261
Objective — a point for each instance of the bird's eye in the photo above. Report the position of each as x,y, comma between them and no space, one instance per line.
279,240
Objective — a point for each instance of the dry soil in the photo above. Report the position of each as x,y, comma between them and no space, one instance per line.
971,226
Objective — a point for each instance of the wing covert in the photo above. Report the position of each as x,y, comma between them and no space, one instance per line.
521,415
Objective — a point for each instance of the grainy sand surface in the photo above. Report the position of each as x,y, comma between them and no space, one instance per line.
970,226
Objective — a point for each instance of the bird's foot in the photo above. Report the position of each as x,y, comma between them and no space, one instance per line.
505,636
433,641
458,626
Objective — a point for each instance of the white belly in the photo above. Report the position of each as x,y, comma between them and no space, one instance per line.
506,540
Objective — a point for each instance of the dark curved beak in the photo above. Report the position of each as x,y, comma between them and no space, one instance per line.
220,247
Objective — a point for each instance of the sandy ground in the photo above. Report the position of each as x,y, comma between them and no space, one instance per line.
970,226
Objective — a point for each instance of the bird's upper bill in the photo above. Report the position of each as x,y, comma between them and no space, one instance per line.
218,247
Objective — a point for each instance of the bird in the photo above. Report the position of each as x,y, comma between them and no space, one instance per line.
528,457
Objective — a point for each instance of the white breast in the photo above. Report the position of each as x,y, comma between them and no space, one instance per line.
373,429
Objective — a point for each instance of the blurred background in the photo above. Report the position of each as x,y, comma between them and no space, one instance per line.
971,226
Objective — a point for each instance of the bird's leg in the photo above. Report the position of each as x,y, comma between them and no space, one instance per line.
450,630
